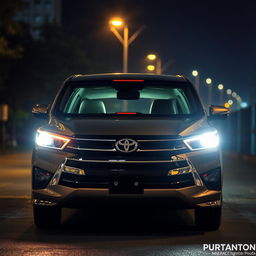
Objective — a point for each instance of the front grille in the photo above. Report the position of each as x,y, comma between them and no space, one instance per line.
152,160
149,147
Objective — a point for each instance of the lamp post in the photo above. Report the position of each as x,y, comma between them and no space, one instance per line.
125,40
158,61
221,88
195,74
209,89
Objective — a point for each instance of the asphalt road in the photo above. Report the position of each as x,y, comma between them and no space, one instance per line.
127,231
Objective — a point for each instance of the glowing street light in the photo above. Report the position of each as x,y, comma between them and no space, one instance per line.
209,82
244,104
158,62
239,99
226,105
151,56
230,102
220,87
195,73
229,91
116,23
234,94
151,68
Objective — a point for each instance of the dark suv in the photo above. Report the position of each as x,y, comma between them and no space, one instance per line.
139,137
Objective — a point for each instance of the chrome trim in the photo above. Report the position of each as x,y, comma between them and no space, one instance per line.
161,149
74,138
114,150
93,149
124,161
92,139
159,140
40,202
126,145
216,203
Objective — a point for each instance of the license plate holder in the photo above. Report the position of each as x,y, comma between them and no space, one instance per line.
124,184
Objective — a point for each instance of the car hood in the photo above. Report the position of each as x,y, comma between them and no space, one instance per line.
98,127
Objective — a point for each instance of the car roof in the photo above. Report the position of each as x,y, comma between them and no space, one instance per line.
133,76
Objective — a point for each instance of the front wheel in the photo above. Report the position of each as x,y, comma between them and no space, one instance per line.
208,218
47,216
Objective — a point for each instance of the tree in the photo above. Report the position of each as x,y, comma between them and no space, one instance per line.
46,63
10,45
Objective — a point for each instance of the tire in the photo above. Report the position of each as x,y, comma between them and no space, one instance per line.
47,216
208,218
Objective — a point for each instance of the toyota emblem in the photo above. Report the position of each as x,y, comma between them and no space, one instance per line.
126,145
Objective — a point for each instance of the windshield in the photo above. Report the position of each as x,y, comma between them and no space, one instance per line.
136,99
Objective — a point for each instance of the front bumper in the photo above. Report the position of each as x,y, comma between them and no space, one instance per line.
204,191
189,197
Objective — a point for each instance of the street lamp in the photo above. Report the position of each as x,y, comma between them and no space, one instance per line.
229,91
197,83
125,40
226,105
195,73
221,87
151,68
116,22
209,83
151,56
234,94
230,102
157,59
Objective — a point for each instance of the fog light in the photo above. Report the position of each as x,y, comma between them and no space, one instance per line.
43,202
40,178
178,171
212,179
73,170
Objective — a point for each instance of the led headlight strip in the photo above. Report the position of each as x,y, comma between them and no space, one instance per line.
203,141
51,140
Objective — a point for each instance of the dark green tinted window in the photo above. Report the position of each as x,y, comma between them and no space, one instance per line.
147,100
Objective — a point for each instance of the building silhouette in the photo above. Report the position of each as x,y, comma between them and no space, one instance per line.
38,12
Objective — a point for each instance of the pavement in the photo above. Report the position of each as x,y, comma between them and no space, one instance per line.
126,231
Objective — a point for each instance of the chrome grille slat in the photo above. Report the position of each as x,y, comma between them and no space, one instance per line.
160,140
93,139
124,161
93,149
114,150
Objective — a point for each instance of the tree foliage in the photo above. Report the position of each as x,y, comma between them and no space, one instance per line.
46,63
10,29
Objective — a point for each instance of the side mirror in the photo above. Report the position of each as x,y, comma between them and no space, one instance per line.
40,111
217,112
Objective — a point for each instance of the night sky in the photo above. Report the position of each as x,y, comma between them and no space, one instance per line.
218,38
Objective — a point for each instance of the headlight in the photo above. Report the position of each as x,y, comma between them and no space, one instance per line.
51,140
203,141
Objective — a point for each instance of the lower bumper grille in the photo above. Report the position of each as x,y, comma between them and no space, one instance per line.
168,182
